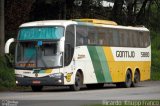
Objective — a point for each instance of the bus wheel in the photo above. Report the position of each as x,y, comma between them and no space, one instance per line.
36,88
136,79
128,80
78,82
119,85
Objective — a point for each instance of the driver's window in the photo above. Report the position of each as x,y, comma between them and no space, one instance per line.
69,44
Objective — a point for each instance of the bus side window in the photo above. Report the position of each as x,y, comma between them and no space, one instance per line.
122,38
116,38
138,39
92,36
126,38
141,36
81,35
69,44
146,39
110,37
101,38
130,39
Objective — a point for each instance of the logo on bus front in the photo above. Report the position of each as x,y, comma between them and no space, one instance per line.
68,77
36,74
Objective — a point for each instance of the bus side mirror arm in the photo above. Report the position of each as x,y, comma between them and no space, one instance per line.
61,44
7,45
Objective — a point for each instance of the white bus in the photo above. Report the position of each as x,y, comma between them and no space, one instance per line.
81,51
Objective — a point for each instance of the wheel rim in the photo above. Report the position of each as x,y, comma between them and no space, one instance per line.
128,80
77,82
136,77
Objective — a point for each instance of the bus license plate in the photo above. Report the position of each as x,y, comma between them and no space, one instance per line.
36,82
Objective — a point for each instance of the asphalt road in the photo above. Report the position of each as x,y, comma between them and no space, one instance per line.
149,90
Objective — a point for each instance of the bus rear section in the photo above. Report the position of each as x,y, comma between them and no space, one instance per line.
113,54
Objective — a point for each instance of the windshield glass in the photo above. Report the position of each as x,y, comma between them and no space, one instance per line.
38,55
41,33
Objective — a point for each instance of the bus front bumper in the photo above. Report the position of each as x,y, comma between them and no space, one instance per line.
43,81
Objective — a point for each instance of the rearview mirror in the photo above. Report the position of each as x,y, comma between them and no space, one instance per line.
7,45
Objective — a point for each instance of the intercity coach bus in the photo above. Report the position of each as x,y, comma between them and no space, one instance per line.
81,51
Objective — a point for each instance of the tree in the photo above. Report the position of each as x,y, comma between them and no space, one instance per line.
142,13
154,14
16,13
2,33
117,11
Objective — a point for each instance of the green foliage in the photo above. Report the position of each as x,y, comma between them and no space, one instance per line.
154,17
155,75
155,70
7,78
155,39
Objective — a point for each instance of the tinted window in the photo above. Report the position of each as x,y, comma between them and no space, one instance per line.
69,44
91,35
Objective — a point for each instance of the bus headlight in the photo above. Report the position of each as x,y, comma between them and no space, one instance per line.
16,82
56,75
19,75
60,81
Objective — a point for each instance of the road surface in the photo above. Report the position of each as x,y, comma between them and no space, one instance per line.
149,90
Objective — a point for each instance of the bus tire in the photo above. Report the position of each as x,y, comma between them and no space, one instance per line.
136,81
128,79
119,85
95,86
36,88
78,82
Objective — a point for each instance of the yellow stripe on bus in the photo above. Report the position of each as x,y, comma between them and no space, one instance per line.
118,68
48,71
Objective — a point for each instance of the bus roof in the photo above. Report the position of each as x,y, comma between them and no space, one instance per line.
108,24
96,21
86,22
48,23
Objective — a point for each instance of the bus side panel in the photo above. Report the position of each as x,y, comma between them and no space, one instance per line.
118,70
145,73
81,61
93,62
113,68
120,59
101,64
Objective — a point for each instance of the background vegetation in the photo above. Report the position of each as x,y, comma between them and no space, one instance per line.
7,78
124,12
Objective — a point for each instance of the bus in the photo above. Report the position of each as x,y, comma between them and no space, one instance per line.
80,52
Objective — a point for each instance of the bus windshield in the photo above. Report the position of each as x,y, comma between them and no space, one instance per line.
32,55
40,33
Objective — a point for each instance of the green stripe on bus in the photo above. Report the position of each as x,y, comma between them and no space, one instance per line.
104,64
96,64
